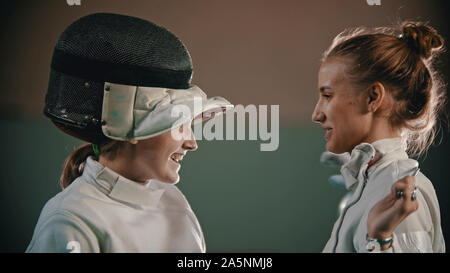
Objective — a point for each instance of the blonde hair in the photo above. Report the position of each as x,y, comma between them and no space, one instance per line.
403,63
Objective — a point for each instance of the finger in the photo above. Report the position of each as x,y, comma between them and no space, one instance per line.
404,187
398,189
414,194
406,198
410,181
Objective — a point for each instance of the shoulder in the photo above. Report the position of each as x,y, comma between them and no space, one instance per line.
69,221
399,169
80,204
388,174
63,231
78,197
382,176
392,171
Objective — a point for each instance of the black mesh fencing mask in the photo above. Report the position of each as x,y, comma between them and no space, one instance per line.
111,48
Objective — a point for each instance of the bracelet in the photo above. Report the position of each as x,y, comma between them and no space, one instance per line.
376,244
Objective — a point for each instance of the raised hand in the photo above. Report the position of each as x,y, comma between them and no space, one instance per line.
388,213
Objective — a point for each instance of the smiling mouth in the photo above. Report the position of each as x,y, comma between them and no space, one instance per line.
176,157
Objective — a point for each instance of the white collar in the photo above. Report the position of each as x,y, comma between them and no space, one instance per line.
363,153
121,188
388,145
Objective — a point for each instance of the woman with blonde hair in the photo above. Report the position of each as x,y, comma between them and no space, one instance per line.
379,100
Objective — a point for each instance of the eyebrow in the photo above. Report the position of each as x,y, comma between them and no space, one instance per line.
323,88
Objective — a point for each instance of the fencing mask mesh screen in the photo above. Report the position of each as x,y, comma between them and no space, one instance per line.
114,48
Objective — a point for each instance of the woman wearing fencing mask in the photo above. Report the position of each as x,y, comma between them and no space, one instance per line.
123,85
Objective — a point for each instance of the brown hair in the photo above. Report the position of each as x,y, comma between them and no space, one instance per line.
74,163
403,64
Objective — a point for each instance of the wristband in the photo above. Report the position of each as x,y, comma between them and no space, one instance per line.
374,245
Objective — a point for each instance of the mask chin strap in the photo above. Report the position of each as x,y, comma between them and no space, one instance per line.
96,150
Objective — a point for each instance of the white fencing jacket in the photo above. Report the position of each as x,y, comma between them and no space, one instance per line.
419,232
102,211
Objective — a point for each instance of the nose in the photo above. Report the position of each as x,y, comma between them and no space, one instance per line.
317,115
190,144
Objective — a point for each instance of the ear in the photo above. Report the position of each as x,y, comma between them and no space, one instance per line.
375,98
133,141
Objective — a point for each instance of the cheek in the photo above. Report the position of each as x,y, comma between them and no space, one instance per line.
154,156
347,113
356,120
353,129
166,150
350,127
162,168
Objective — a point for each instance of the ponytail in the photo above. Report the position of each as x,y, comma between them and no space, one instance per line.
74,163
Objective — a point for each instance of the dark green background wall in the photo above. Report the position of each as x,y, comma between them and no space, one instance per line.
245,200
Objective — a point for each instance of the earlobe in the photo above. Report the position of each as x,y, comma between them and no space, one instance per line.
133,141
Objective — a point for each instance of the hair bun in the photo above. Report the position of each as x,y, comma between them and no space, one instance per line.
422,39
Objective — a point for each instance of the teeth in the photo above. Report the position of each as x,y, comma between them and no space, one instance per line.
176,157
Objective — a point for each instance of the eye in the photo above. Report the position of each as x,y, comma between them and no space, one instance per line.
326,96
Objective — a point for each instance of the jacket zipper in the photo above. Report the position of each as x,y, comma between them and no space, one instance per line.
347,207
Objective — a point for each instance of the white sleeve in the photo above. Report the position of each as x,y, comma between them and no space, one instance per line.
63,233
413,235
412,242
419,232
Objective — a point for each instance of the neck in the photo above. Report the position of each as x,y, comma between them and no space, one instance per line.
120,165
381,129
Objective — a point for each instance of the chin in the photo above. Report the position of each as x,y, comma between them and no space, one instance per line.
335,149
171,179
330,148
175,181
